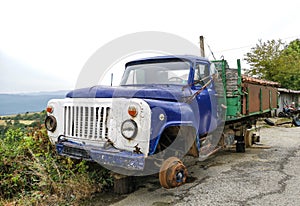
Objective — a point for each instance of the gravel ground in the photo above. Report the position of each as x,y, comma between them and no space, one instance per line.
257,177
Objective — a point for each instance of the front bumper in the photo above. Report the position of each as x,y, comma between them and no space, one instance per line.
105,156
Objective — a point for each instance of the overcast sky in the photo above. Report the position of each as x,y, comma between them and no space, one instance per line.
44,44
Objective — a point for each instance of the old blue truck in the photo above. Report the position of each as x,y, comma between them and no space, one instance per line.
165,107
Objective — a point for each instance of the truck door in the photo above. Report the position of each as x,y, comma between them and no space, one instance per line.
206,100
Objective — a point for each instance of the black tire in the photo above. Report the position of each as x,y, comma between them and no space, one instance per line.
240,147
296,121
269,122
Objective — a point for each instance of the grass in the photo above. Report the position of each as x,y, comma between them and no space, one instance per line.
31,172
25,122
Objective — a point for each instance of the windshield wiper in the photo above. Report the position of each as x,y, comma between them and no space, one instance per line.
196,82
190,98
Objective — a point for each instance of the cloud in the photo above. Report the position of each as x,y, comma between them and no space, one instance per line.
52,40
15,76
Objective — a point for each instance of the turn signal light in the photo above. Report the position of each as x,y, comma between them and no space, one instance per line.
132,111
49,109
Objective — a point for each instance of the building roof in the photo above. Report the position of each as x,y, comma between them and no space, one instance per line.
246,78
289,91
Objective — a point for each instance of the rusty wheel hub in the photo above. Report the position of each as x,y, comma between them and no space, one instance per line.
172,173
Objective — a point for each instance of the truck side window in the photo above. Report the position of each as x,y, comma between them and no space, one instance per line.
202,74
213,70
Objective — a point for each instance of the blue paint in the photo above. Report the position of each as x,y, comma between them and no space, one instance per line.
163,92
176,114
169,100
123,159
105,156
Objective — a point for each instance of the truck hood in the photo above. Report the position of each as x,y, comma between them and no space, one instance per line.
161,92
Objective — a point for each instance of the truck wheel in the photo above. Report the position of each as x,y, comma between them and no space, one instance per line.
240,145
269,122
172,173
296,121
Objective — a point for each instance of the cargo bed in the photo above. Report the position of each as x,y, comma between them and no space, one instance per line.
246,96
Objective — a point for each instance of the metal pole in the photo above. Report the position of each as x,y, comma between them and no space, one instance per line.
202,54
111,79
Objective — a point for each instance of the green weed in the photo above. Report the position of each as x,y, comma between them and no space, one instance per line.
31,173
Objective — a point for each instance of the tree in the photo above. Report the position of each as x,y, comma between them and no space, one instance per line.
276,61
262,57
288,72
17,117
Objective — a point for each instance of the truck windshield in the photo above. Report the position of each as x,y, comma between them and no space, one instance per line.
173,72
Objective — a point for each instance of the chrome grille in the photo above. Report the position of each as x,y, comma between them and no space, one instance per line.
86,122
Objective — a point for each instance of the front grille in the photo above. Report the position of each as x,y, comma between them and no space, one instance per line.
86,122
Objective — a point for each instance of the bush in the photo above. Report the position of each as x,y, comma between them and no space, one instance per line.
32,173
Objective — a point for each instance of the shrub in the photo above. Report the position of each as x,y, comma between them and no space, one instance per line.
32,173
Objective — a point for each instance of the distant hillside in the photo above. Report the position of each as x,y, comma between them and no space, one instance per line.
30,102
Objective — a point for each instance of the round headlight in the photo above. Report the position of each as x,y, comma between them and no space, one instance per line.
129,129
50,123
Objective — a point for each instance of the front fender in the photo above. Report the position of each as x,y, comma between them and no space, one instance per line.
165,114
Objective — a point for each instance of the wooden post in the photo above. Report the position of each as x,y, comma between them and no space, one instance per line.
123,184
202,54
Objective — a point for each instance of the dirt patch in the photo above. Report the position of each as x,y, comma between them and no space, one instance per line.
103,199
2,122
227,177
